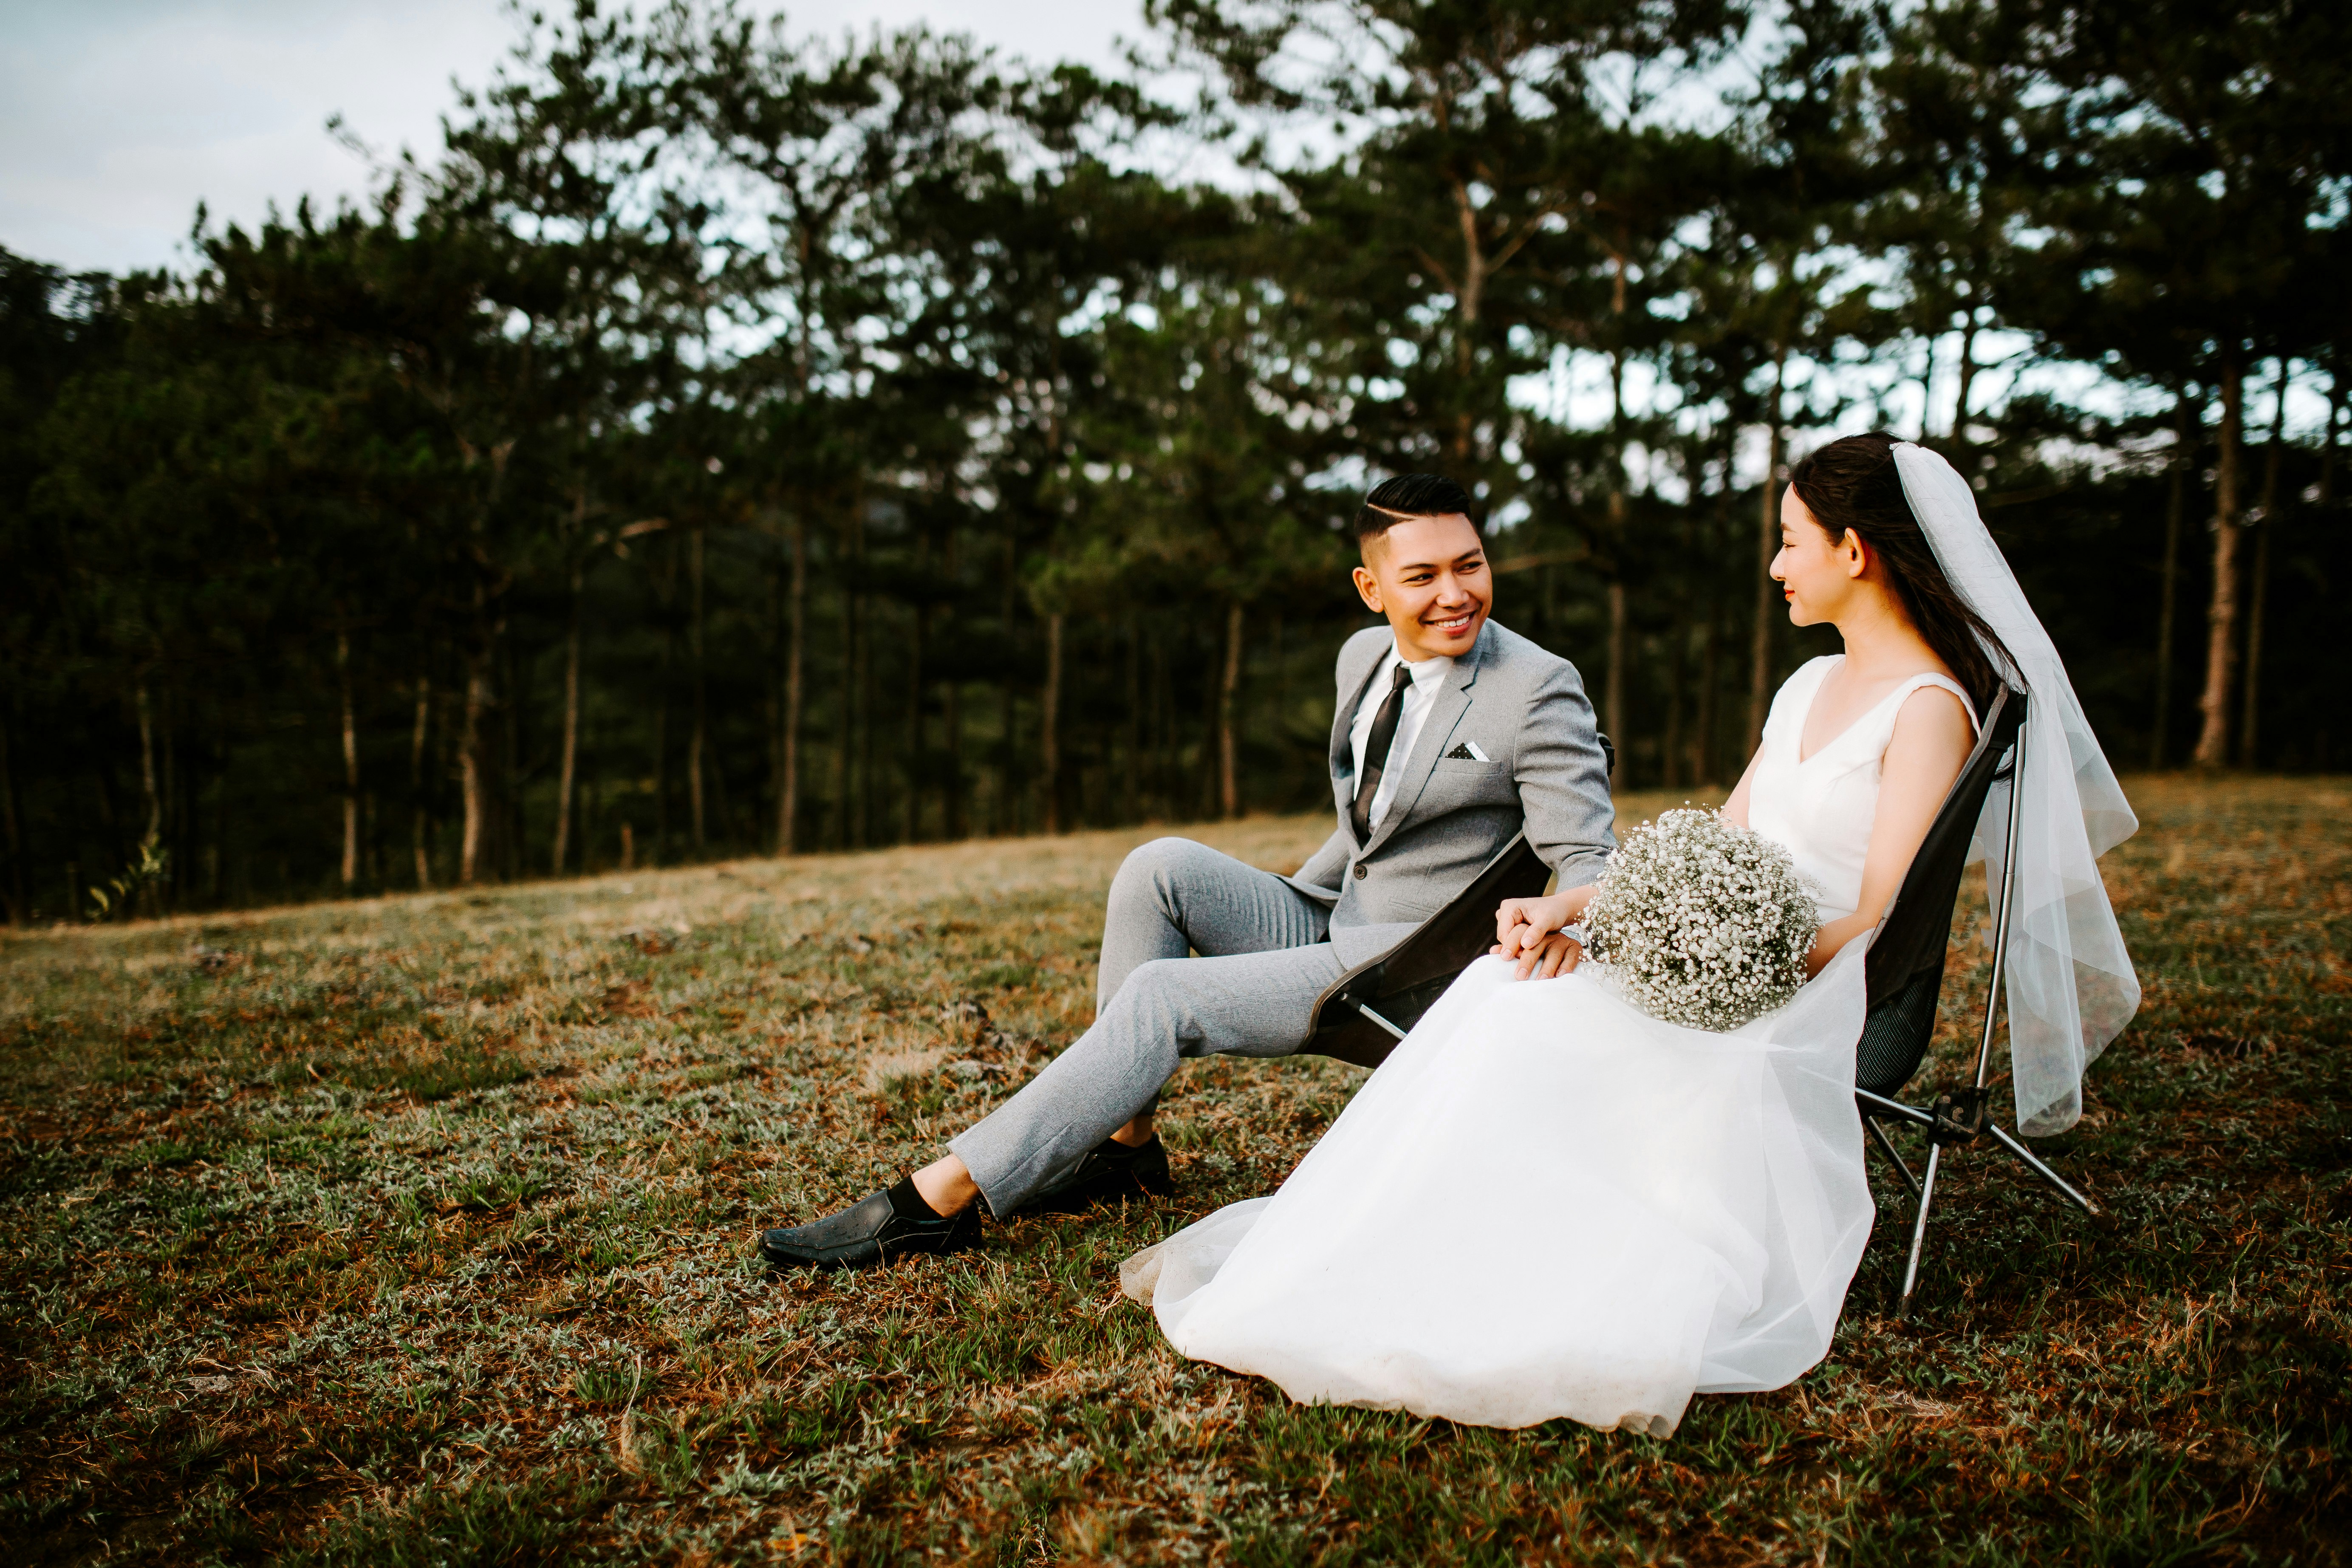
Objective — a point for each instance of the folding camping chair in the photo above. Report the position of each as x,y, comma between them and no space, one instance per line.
1905,972
1363,1014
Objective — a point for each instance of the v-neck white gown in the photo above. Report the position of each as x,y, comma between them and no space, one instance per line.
1549,1204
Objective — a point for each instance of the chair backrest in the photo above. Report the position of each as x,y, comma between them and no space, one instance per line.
1401,983
1904,968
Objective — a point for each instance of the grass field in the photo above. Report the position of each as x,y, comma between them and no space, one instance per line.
419,1231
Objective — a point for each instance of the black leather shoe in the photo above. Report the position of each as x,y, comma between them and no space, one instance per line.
1107,1172
874,1230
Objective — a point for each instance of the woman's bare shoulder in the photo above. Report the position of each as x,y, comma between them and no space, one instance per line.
1936,716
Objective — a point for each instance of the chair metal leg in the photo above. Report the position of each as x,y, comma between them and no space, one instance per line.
2004,904
1886,1147
1959,1116
1919,1230
2034,1164
1882,1106
1376,1018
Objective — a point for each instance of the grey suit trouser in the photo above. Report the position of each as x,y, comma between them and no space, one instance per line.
1264,959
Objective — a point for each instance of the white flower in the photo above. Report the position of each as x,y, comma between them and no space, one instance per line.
1702,923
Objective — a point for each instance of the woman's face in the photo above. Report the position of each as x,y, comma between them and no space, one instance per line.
1818,578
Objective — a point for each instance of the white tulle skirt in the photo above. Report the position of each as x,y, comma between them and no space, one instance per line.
1545,1204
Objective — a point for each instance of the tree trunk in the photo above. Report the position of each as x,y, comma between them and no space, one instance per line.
952,796
507,781
700,738
911,822
1161,744
845,732
175,823
568,765
1049,749
1130,793
1203,804
2328,452
2221,614
1279,730
418,839
472,774
2167,617
1670,753
1703,761
351,762
869,829
2267,525
1613,701
1005,815
862,683
1710,675
11,816
1229,793
1927,388
869,807
1468,296
788,790
219,869
844,777
661,738
2249,725
1769,602
1960,437
147,770
957,825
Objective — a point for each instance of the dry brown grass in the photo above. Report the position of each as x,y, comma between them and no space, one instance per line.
420,1233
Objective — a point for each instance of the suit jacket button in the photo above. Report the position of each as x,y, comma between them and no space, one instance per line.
1360,871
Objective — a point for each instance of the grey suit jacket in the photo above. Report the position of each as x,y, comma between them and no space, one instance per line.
1525,709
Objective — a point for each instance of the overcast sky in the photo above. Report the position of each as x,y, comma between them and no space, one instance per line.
118,116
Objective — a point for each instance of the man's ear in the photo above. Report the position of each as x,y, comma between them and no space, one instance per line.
1367,587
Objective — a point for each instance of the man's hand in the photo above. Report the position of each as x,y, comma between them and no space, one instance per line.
1529,932
1552,955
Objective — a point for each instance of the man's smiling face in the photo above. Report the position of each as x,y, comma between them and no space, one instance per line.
1428,575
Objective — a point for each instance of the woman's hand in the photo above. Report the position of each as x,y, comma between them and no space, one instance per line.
1527,931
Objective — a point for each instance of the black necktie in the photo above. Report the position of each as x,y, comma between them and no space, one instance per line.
1376,754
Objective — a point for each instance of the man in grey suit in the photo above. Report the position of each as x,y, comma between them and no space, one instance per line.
1450,735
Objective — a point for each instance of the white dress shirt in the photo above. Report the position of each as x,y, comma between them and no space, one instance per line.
1428,680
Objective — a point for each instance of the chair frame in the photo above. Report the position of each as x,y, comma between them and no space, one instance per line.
1361,1016
1959,1116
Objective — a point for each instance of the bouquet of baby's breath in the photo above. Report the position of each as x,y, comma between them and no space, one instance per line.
1702,923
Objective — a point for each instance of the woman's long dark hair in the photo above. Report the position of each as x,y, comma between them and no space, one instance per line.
1852,485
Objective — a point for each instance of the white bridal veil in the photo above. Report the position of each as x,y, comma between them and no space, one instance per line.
2071,985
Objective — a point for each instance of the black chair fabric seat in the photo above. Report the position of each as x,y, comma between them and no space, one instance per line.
1894,1035
1402,983
1904,970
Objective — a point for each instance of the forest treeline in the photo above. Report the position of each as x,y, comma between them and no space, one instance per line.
732,441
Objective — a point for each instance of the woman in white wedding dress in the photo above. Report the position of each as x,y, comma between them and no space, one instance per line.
1547,1202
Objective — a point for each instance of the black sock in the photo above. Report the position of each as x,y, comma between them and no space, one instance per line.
908,1204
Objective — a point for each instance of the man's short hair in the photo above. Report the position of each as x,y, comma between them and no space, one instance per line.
1408,496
